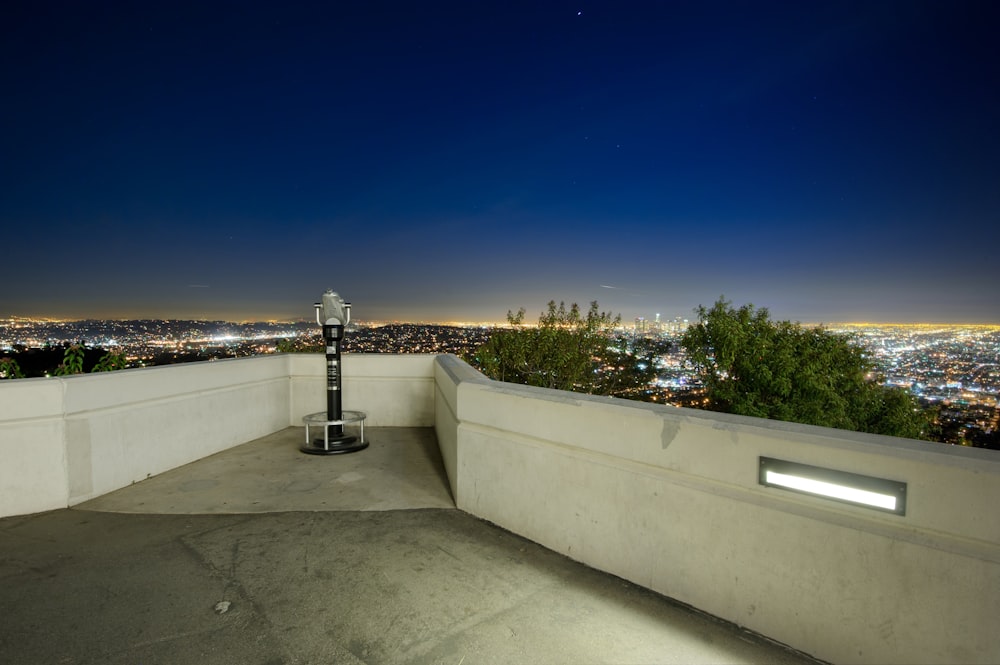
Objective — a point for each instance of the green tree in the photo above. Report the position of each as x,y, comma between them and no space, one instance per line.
567,350
313,345
110,362
9,369
72,361
753,366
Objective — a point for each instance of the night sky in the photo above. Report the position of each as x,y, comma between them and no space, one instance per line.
832,161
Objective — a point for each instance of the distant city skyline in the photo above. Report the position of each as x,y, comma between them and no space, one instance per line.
626,322
832,161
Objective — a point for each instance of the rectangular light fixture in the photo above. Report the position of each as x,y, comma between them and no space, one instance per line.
876,493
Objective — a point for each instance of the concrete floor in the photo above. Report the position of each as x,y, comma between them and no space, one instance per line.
264,555
401,469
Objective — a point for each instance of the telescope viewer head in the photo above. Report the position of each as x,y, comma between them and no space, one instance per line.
333,311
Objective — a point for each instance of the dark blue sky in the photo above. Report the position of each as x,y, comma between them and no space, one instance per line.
832,161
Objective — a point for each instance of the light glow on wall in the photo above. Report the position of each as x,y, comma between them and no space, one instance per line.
832,490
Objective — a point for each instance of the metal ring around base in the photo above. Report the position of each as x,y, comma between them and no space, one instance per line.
340,444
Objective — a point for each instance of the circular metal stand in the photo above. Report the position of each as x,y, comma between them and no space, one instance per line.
337,444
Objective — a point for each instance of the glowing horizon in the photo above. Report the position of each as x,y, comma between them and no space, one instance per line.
465,322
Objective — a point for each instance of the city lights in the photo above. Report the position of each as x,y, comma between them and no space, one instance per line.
952,369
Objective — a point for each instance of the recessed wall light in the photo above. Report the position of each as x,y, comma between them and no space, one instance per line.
868,491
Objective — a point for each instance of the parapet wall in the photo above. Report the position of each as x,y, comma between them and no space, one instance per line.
64,440
394,390
669,499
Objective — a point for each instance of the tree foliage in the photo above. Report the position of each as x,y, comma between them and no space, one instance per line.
567,350
753,366
72,361
76,358
10,369
110,362
316,345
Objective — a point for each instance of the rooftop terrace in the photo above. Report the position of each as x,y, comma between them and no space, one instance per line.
372,565
456,536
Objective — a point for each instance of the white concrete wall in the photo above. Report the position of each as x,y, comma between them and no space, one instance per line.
669,499
123,427
394,390
32,448
449,374
64,440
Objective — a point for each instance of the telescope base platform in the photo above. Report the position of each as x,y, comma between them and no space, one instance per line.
334,446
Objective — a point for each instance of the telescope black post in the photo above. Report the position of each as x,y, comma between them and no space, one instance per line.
334,411
334,440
